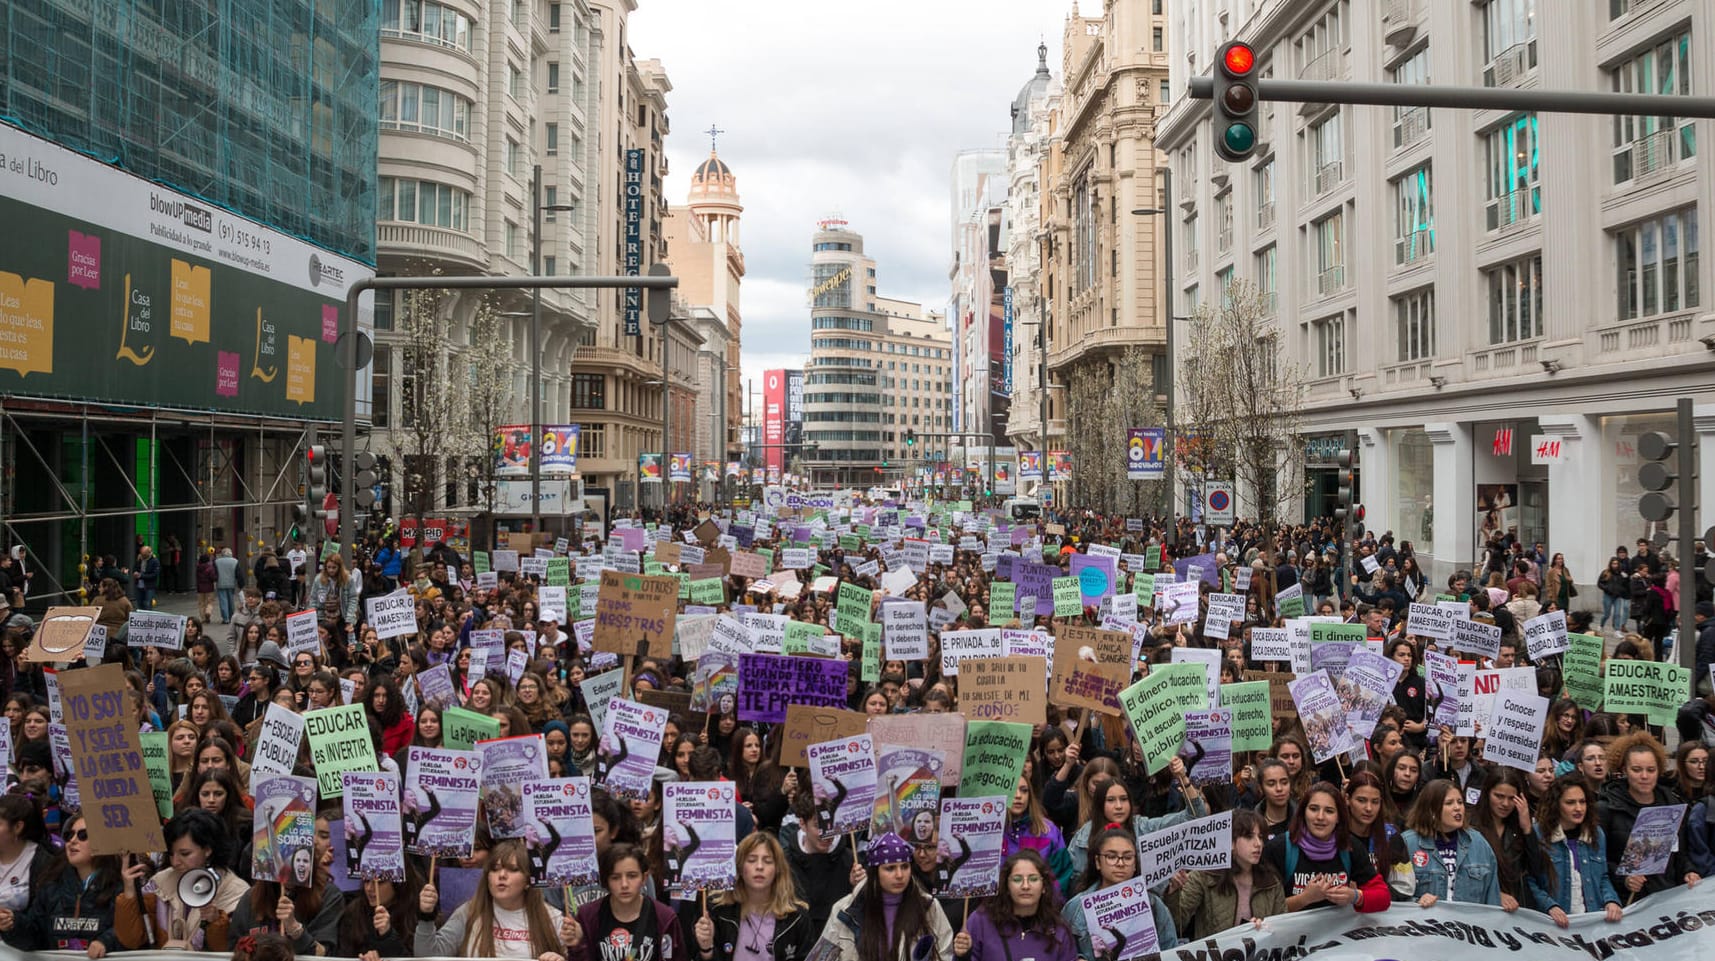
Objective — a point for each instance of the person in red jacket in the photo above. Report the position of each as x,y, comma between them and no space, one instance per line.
1315,859
383,703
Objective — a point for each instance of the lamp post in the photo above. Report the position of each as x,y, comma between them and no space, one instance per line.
1166,314
536,347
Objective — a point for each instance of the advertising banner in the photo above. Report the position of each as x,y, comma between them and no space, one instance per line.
512,449
679,471
649,468
1059,465
1144,453
1030,465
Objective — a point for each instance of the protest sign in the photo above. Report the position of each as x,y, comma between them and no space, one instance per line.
1440,692
635,614
1271,644
1208,750
101,729
1155,718
806,725
393,615
301,634
1005,689
156,762
436,686
283,839
1080,681
1514,736
1428,620
560,832
374,833
461,728
1224,610
843,779
1654,838
972,834
1209,659
1179,601
905,630
1545,634
277,747
1582,670
691,635
993,757
1203,844
941,734
1096,574
709,591
1319,710
957,646
440,800
1068,602
1248,701
630,743
64,635
1366,689
803,636
768,683
1289,602
1486,685
339,741
94,646
698,824
1003,599
907,792
154,629
507,763
1474,638
1652,688
1122,926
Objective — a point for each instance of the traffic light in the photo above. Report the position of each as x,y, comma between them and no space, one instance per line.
911,438
316,473
1656,477
1347,510
365,479
300,517
1235,101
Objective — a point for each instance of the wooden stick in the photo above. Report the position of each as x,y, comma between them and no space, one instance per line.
1630,898
433,863
1078,734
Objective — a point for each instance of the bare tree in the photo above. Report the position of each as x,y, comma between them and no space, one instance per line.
1104,402
429,401
1241,405
488,363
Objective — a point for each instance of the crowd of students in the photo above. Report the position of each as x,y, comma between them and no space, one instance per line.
1419,821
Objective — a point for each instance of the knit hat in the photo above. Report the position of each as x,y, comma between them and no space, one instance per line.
269,653
887,848
35,754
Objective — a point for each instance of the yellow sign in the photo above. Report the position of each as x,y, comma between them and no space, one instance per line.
191,286
300,369
831,283
26,324
136,314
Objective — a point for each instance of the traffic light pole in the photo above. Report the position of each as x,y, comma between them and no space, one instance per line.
1468,98
1687,516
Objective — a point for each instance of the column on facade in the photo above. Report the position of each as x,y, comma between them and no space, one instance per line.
1579,479
1455,500
1703,416
1376,484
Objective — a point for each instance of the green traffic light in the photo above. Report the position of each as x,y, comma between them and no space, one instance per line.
1239,137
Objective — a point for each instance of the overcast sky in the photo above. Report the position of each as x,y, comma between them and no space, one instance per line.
850,108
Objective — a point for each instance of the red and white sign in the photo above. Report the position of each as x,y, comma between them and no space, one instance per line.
1502,446
774,421
1546,449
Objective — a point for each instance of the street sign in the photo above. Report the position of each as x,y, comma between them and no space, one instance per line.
1218,506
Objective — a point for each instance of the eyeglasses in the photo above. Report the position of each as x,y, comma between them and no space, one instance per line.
305,662
1025,879
81,834
1118,857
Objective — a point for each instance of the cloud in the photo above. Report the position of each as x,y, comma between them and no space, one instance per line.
840,108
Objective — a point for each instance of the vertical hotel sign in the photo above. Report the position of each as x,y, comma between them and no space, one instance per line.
633,240
1006,346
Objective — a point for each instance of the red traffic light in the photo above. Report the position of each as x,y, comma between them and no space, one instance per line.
1239,59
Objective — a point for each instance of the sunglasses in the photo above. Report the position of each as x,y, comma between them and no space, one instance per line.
81,834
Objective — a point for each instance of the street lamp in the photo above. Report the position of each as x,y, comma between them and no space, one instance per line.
536,347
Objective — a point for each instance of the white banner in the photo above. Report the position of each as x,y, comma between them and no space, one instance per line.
154,629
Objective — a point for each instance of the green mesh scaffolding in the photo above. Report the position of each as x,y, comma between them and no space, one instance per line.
266,107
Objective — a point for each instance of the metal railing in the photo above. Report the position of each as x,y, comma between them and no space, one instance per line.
1414,246
1411,126
1517,207
1326,65
1331,280
1329,175
1656,151
1265,216
1511,65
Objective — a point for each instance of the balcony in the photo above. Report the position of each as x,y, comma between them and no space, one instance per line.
1514,209
1265,216
1399,21
1329,176
1410,126
1327,65
1414,246
1511,66
1654,153
1332,280
1224,239
433,243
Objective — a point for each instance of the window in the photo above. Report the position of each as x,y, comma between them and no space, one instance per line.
1327,154
592,440
1656,264
424,109
1515,300
383,310
553,76
550,200
1322,48
863,324
1411,123
1224,222
514,81
1509,41
1190,237
1413,217
1643,145
1262,178
425,22
1083,233
513,156
1328,340
589,391
1414,316
1330,253
423,202
1267,276
1224,280
381,378
553,18
550,267
514,241
1158,42
1166,92
1513,166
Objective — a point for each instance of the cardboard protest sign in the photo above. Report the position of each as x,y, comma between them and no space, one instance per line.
1122,927
339,742
507,764
635,614
1652,688
806,725
942,734
154,629
1654,838
1248,703
102,733
993,757
1319,711
630,743
843,779
560,832
768,683
283,842
461,728
1545,634
1202,844
62,635
699,825
374,832
972,836
393,615
1080,681
440,800
1005,689
277,747
1514,735
957,646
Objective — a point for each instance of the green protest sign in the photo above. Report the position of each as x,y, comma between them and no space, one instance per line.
1152,558
559,572
870,671
1445,597
461,729
154,745
856,598
1143,587
330,547
994,757
684,580
1653,688
850,542
963,507
479,562
1068,601
799,635
1321,633
1253,729
1158,724
1003,596
339,742
708,591
865,533
1289,606
1581,668
652,568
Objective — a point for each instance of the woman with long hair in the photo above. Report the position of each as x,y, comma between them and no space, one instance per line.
1315,860
1209,902
1375,829
1564,728
1502,816
1021,919
1113,859
332,596
583,745
182,738
1573,877
763,916
195,839
218,791
1027,828
384,704
306,914
760,782
890,917
1275,801
28,855
1403,775
1691,770
1640,761
505,918
1452,862
1116,809
205,708
382,919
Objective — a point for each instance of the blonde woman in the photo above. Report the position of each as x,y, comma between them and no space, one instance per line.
762,916
332,594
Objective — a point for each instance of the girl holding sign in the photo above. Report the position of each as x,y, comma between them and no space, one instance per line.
1113,859
1640,760
506,918
764,917
890,917
1315,860
1209,902
307,915
1452,862
1116,809
1021,919
378,924
1573,879
626,922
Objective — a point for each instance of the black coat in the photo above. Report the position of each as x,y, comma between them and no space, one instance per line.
794,934
821,879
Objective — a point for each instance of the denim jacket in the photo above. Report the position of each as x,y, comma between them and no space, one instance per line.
1476,879
1592,872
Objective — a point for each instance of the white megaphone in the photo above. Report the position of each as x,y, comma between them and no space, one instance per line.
197,888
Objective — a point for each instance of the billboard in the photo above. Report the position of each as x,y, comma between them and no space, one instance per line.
632,297
774,420
114,289
794,411
512,449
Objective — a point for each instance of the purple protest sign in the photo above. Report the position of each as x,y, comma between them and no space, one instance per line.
1096,576
769,682
1037,580
971,833
374,841
629,748
842,776
699,826
1206,569
1003,566
507,764
440,801
559,832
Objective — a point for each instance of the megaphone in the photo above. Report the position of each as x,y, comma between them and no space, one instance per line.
197,888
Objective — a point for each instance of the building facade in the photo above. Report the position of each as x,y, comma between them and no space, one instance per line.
1493,304
979,182
878,368
1026,147
703,248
